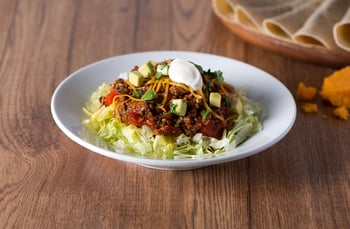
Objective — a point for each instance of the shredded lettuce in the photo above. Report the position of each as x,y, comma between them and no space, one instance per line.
141,142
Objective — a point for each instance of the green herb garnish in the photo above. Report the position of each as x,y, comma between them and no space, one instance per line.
217,75
227,101
137,94
204,113
172,107
149,95
158,75
199,68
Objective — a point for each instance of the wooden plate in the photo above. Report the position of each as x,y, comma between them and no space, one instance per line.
310,54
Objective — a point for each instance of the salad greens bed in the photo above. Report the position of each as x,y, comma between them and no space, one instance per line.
141,142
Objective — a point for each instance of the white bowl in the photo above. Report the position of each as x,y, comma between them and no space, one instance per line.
279,106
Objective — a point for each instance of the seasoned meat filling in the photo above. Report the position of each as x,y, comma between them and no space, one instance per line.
156,112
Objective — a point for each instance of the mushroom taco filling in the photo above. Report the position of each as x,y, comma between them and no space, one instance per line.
171,110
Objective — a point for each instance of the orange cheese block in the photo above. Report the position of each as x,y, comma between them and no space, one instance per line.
341,112
305,93
336,88
310,107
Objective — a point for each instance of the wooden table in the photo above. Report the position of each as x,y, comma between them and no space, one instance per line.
48,181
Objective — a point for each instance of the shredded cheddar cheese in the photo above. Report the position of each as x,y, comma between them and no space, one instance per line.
157,84
130,85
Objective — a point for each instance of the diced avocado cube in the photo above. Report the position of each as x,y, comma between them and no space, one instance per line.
179,106
163,69
136,78
146,69
238,106
215,99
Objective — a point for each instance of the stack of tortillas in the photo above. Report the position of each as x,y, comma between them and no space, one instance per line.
317,23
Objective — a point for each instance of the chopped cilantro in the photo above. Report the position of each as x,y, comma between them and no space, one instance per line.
204,113
199,68
219,76
172,107
207,89
137,94
149,95
227,101
158,75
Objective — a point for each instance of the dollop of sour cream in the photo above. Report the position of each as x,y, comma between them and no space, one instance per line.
182,71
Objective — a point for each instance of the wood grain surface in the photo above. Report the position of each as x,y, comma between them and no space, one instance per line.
48,181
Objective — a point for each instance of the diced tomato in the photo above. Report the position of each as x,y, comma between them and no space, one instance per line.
134,119
135,68
212,128
172,130
108,100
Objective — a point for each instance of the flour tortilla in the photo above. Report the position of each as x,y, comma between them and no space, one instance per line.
228,8
318,28
253,13
285,25
224,9
255,3
324,23
341,32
